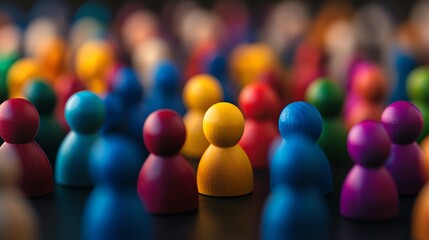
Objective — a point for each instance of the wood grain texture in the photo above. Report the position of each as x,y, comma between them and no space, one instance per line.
300,118
224,169
223,124
224,172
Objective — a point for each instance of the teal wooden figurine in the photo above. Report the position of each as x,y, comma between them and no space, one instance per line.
85,113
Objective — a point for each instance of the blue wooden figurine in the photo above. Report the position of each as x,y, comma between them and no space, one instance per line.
402,65
295,209
125,110
166,90
85,113
303,118
217,66
113,210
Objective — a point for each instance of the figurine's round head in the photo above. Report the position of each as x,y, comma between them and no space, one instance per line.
300,118
85,112
42,96
164,133
166,76
368,144
326,96
19,121
115,160
127,85
258,101
418,85
295,164
223,124
370,83
93,59
201,92
217,64
403,122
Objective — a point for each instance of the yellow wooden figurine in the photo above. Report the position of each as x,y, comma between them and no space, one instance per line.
19,74
50,56
420,217
224,169
93,59
249,61
199,93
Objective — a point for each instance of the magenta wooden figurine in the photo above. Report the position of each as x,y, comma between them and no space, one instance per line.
19,122
369,191
403,122
260,105
167,182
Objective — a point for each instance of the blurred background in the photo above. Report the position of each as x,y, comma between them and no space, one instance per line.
74,45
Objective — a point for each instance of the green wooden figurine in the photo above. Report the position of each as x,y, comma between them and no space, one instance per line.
418,92
50,134
328,98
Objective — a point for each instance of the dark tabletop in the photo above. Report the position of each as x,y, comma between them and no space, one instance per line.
60,216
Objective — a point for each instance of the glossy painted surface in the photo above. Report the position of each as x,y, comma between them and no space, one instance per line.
19,122
295,209
403,123
85,114
369,192
260,105
166,183
113,209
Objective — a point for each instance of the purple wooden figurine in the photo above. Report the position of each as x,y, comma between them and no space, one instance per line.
369,191
403,123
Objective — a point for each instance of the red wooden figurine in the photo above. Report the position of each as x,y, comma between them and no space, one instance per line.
259,104
19,123
167,182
